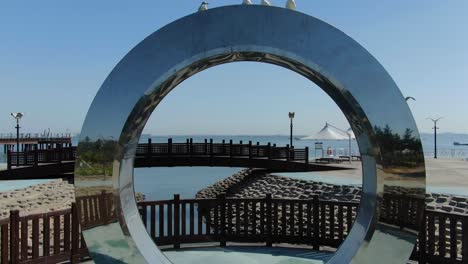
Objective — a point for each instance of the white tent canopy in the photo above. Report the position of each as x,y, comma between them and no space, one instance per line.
328,133
350,131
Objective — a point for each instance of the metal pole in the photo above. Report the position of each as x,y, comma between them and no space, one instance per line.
435,134
435,140
349,135
291,134
17,141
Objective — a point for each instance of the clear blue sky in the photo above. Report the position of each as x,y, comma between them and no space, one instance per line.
54,55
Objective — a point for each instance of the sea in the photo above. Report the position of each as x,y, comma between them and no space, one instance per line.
163,183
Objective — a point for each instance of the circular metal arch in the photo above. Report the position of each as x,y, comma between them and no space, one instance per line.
359,85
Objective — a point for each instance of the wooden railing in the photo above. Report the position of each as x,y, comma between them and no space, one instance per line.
443,239
148,150
42,238
314,222
8,138
40,156
223,149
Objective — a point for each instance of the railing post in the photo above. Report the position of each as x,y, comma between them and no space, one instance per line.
8,159
269,150
269,235
224,147
75,241
25,157
169,147
288,153
47,154
148,148
316,223
177,221
211,147
36,156
422,240
230,148
191,147
14,237
221,202
71,152
187,146
250,149
403,204
465,238
104,207
59,148
307,155
206,146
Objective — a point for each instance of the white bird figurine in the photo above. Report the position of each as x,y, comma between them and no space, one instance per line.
203,7
266,2
291,4
247,2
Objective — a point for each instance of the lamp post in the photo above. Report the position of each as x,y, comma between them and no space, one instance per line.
291,117
435,134
17,116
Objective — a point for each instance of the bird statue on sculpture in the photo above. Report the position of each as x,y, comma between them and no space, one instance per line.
266,3
203,7
247,2
291,4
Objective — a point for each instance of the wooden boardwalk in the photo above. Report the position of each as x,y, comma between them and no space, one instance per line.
58,162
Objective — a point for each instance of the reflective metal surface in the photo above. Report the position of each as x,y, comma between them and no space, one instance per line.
385,130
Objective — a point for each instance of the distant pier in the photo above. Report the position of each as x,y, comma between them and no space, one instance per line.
30,142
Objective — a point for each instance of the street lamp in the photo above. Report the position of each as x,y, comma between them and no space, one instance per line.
291,117
17,116
435,134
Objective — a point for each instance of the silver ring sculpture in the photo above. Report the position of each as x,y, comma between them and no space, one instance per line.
353,78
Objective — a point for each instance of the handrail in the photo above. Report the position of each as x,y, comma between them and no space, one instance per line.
221,220
169,149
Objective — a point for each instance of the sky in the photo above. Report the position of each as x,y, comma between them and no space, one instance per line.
54,56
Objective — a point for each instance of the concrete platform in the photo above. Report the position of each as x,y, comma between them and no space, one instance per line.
247,255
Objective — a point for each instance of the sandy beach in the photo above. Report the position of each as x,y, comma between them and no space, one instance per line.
439,172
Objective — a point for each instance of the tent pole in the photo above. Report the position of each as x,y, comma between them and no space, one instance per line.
349,135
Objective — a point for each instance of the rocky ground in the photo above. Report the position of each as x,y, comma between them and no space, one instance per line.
256,183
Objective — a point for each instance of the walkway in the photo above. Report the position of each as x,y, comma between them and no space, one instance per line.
247,255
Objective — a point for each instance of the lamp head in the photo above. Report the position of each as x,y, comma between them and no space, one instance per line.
17,116
291,115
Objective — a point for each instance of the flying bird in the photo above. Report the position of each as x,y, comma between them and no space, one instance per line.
247,2
266,2
203,7
409,97
291,4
